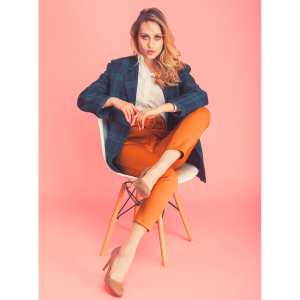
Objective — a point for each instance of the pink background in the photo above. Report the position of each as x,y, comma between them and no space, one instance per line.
221,41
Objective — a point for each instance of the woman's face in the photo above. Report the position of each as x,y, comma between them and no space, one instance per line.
150,38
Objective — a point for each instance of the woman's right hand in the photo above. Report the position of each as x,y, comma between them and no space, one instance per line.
128,109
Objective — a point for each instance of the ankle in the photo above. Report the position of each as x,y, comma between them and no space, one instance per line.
156,170
126,252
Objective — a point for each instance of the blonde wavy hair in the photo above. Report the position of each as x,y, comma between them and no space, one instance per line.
167,63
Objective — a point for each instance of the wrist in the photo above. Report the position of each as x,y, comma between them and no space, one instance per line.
167,107
115,101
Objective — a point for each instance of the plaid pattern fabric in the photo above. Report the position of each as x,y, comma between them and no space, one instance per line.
120,80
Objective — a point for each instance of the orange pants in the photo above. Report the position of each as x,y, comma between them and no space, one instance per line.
143,148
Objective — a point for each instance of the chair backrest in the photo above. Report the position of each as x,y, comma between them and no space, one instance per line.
104,129
105,123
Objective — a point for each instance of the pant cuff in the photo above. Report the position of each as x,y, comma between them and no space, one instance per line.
144,222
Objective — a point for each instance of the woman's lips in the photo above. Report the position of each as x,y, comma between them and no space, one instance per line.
150,52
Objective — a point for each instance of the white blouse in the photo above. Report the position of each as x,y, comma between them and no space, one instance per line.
149,95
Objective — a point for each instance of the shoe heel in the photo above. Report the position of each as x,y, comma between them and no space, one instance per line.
106,265
132,184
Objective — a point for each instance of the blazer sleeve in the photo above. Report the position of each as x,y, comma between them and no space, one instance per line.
191,96
94,96
176,108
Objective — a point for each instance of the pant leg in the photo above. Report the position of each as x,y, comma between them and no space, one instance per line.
131,160
185,135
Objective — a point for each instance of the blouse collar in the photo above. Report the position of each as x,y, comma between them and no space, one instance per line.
141,57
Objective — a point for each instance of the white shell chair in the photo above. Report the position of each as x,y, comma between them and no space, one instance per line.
185,173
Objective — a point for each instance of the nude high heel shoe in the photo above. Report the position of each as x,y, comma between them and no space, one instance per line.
141,186
115,286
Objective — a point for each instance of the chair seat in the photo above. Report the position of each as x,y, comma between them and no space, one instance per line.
185,173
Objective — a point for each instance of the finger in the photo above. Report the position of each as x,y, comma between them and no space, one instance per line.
143,120
139,121
135,111
126,115
134,119
131,114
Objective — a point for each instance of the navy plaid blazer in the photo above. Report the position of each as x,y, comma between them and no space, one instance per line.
120,80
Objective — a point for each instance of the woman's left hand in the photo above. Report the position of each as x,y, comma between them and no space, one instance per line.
146,114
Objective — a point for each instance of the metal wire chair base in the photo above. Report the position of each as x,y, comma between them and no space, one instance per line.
136,202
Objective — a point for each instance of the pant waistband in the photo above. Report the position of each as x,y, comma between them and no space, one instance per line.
157,122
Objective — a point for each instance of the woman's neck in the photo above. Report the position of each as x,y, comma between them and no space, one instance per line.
150,63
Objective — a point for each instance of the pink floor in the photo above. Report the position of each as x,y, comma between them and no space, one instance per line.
222,263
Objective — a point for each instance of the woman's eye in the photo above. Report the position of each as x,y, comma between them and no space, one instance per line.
156,37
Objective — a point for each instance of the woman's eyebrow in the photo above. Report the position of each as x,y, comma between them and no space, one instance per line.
154,34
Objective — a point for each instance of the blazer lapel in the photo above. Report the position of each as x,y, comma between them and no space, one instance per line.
131,82
165,91
131,79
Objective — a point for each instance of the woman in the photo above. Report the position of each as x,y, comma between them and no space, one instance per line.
157,114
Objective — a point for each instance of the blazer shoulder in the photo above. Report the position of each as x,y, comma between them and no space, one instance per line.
121,60
120,64
187,69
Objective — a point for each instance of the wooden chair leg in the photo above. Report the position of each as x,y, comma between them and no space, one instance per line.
186,225
113,219
162,240
136,208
